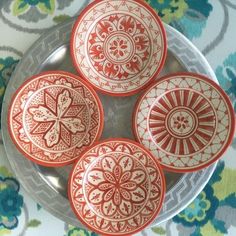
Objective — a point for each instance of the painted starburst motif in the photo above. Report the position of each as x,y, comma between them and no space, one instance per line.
54,117
58,117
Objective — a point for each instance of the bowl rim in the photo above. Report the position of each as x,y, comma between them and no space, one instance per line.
49,73
150,80
149,155
222,94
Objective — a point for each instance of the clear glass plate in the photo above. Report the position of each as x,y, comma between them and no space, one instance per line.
48,186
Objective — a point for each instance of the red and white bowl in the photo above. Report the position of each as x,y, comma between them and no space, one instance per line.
116,187
185,120
119,46
53,117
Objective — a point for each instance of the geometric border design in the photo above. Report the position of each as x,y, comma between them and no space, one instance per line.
213,143
119,158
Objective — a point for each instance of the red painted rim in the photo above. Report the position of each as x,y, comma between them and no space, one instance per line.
149,154
125,94
86,84
222,93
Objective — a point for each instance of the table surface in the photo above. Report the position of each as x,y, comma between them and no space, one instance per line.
210,25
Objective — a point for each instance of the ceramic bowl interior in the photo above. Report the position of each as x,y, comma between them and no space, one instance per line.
53,117
118,46
116,187
186,120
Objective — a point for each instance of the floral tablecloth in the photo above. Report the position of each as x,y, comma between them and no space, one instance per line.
210,25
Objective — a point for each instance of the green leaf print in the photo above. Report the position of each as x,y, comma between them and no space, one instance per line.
159,230
33,223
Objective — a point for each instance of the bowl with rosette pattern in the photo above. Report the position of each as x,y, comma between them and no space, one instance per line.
53,117
119,46
116,187
185,120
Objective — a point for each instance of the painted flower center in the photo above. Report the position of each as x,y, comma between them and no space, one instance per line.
181,122
119,48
